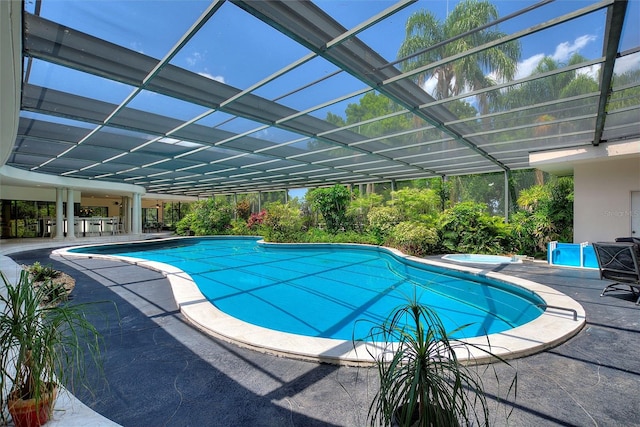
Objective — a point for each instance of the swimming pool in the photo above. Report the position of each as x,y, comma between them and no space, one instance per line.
272,296
333,291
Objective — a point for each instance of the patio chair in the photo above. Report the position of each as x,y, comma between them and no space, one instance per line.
619,262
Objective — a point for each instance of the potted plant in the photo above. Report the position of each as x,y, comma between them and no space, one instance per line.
422,382
41,346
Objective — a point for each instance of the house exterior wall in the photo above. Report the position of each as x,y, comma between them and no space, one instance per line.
11,192
602,204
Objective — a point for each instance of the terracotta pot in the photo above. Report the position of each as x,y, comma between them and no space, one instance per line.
25,413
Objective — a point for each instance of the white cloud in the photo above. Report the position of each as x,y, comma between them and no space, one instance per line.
627,63
430,85
526,67
562,53
212,77
565,50
194,58
592,71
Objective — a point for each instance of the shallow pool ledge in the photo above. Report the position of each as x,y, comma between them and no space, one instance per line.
552,327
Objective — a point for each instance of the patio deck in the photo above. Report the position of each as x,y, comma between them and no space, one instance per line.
161,371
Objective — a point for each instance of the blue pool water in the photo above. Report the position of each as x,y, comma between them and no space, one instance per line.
332,291
571,255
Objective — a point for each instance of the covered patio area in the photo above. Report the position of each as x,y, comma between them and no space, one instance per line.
161,371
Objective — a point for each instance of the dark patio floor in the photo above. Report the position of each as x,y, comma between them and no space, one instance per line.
160,371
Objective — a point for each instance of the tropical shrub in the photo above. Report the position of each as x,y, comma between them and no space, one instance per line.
238,227
360,207
256,219
315,235
382,219
282,223
546,215
332,204
207,217
51,282
413,238
243,209
467,228
416,204
41,273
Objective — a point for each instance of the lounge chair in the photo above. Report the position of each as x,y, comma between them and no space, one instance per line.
619,262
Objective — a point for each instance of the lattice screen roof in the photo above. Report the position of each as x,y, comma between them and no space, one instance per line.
198,98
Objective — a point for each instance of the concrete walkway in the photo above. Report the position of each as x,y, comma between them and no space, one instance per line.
159,371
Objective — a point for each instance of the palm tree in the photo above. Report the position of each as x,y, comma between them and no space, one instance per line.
426,42
552,87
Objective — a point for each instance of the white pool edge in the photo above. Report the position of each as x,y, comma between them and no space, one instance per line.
551,328
507,260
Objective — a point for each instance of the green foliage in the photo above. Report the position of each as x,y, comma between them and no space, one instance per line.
487,189
382,219
416,204
282,223
626,94
54,292
174,212
40,344
332,204
422,382
462,109
335,119
44,275
315,235
238,227
243,209
41,273
530,116
256,219
467,228
426,33
360,207
207,217
413,238
546,216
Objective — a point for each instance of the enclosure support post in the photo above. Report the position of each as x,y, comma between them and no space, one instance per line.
235,204
59,214
507,202
136,214
70,219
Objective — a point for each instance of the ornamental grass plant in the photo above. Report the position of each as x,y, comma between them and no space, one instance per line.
422,382
42,345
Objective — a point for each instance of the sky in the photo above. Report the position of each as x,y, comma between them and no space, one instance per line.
229,52
130,22
237,49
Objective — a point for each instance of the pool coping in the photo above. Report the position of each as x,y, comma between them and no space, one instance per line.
554,326
511,260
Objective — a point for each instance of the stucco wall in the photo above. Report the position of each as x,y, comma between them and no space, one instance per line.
10,73
602,204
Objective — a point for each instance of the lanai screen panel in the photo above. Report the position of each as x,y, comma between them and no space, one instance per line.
201,98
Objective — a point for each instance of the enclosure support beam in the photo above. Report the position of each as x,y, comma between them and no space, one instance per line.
615,21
